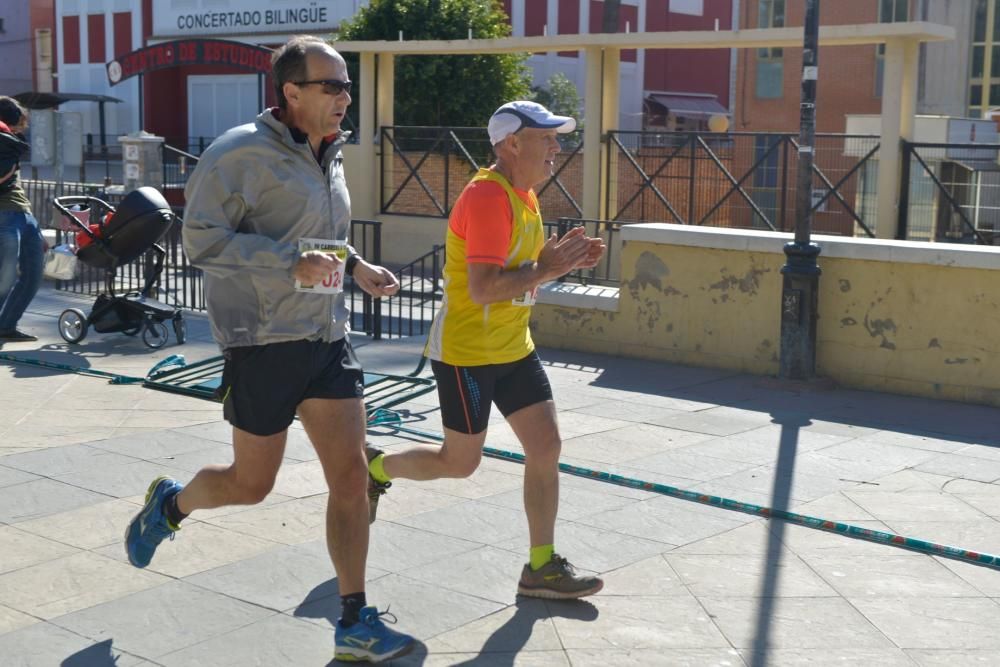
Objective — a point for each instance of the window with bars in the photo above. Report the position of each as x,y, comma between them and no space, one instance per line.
889,11
984,79
770,60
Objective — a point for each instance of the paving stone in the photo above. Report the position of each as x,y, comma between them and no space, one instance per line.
20,548
668,520
394,547
12,476
888,575
629,443
42,497
292,521
12,619
499,659
183,615
280,579
780,574
719,421
807,541
424,611
71,583
471,520
825,657
276,640
155,444
517,628
120,481
86,528
754,538
927,623
828,623
575,501
950,657
594,549
197,547
44,645
648,577
792,484
892,506
61,460
966,467
487,572
626,624
675,657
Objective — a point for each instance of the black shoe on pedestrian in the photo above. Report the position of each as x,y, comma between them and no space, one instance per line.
16,336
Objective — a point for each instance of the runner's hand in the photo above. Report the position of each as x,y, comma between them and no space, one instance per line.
595,250
560,256
314,266
376,280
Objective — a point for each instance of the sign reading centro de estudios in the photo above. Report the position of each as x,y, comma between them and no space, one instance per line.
188,18
181,52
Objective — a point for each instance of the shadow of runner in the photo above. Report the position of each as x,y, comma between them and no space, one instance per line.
95,655
781,494
502,647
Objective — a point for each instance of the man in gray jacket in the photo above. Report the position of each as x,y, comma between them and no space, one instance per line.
256,192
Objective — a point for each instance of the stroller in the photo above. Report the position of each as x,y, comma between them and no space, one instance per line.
108,238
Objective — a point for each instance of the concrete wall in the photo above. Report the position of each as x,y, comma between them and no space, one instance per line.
905,317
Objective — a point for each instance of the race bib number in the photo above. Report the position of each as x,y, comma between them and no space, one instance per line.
526,299
333,283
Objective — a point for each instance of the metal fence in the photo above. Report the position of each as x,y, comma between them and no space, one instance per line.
742,180
950,193
424,170
608,271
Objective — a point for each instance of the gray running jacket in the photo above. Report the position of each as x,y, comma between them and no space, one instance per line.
254,194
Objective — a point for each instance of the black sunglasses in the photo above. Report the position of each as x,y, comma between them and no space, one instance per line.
330,86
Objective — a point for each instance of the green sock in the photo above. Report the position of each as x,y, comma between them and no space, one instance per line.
377,469
541,555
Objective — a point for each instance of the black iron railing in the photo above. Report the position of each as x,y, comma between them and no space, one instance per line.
608,271
412,310
424,170
177,166
738,179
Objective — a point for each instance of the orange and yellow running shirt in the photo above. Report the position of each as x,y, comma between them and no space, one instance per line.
495,224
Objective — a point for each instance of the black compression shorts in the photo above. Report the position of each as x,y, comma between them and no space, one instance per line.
467,392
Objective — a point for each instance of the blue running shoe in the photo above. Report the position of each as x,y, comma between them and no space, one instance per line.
150,526
369,640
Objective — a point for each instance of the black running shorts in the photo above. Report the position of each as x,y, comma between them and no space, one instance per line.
262,385
467,392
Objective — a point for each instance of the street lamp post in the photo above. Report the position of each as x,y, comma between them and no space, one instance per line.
800,274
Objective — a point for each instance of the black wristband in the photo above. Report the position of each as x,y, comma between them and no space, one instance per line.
351,262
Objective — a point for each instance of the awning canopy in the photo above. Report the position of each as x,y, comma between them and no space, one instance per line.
37,100
977,165
687,105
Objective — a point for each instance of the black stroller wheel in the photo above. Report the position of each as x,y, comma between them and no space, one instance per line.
154,334
180,329
73,325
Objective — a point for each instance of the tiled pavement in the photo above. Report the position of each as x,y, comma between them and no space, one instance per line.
687,584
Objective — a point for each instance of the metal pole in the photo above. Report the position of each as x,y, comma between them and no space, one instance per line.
801,272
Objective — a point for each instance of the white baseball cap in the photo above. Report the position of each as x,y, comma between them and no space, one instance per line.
512,116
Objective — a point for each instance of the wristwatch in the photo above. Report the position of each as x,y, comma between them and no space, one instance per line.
351,262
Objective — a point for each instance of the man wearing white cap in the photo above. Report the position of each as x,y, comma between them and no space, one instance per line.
480,345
